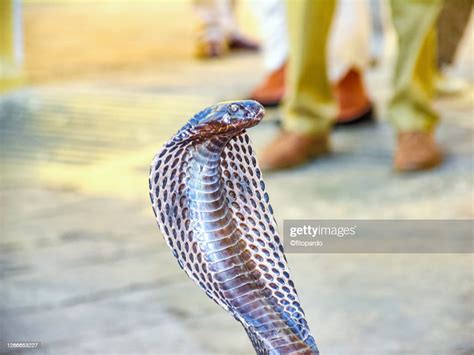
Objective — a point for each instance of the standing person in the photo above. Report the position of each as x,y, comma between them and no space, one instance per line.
348,52
309,111
218,29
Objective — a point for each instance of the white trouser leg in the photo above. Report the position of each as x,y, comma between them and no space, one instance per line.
349,42
271,16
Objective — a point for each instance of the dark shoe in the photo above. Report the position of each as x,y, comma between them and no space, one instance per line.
239,42
271,91
417,151
290,149
353,101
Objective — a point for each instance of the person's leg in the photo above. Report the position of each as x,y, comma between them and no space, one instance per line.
377,27
410,109
226,10
235,38
451,25
349,41
309,108
271,16
349,55
211,36
11,45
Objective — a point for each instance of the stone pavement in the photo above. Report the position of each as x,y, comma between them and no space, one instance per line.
84,269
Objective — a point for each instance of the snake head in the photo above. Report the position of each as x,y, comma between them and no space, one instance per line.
223,119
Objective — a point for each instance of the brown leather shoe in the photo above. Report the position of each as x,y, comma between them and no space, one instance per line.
352,98
417,151
271,91
290,149
240,42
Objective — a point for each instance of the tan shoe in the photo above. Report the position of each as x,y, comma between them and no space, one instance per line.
271,91
290,149
210,49
353,101
417,151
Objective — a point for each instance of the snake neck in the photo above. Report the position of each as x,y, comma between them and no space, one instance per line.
206,190
227,256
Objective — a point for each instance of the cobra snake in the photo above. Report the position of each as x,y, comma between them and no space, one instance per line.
209,199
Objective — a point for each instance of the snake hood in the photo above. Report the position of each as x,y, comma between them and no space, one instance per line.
210,203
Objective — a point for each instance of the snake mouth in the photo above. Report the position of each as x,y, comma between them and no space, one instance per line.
225,119
260,113
230,123
254,113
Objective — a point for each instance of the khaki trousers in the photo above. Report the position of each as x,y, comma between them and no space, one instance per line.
309,106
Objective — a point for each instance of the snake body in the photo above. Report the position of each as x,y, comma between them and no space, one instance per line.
210,203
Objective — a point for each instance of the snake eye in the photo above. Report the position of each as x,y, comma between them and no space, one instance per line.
226,119
234,108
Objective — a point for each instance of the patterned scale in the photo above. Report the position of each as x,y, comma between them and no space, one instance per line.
210,203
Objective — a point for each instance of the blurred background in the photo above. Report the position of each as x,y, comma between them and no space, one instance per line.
90,90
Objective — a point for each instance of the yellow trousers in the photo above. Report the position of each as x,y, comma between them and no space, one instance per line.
6,34
410,108
309,107
11,71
